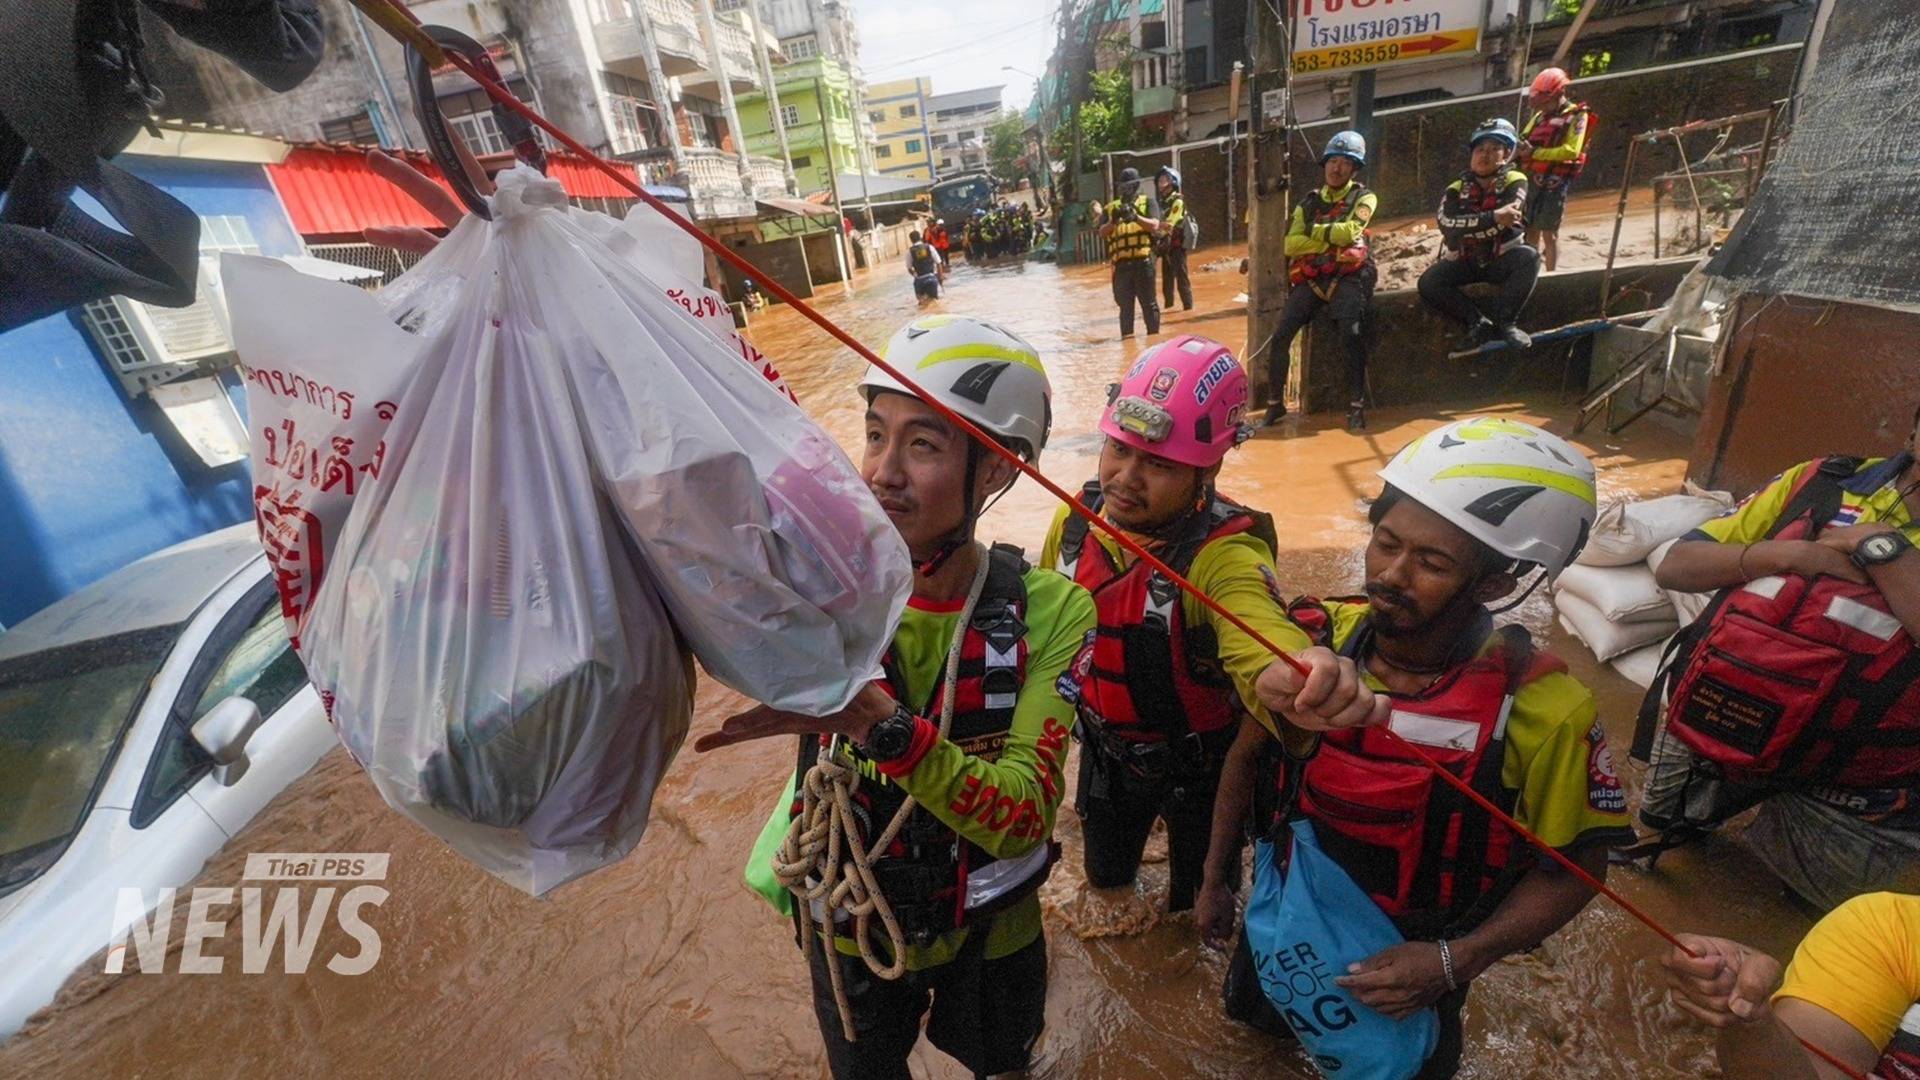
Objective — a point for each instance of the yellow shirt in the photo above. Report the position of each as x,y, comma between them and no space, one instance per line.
1557,756
1861,963
1237,571
1872,495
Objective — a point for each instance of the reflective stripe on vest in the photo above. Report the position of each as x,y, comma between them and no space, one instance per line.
1150,677
1129,241
1429,857
1809,680
1330,263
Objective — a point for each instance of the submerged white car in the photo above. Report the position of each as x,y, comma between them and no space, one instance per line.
144,720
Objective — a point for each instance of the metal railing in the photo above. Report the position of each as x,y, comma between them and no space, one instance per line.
390,262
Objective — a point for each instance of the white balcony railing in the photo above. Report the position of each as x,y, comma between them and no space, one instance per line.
768,174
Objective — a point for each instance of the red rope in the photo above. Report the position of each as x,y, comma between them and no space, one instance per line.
501,95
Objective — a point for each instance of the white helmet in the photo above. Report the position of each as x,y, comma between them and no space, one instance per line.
986,374
1515,488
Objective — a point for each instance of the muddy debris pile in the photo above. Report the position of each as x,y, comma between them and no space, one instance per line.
1403,254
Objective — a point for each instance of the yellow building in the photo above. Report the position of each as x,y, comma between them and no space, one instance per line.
902,146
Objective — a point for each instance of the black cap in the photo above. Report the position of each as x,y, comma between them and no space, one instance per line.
1129,175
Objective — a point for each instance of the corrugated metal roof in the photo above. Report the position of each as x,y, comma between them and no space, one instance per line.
329,190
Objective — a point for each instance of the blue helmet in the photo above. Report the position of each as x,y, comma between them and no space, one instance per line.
1499,128
1169,174
1347,144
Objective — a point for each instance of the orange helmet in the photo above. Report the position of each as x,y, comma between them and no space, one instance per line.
1549,82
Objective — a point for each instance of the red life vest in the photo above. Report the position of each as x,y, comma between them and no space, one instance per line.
1146,676
1553,130
1332,262
1789,678
1431,859
1478,198
934,880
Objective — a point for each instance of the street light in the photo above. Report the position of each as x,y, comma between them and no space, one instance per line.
1053,193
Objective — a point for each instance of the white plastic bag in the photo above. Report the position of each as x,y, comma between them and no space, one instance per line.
1627,532
1607,639
1640,665
780,570
1621,593
489,649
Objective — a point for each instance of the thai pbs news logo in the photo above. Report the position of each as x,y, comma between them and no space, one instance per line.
280,919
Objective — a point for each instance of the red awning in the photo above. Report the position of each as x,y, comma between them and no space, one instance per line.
330,192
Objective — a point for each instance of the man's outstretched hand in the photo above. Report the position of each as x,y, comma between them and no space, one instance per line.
870,706
422,189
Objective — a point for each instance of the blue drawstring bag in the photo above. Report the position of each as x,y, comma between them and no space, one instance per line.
1305,925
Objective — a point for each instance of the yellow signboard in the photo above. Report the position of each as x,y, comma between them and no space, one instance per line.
1380,53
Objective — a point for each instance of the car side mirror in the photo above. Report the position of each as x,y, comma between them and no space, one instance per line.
223,733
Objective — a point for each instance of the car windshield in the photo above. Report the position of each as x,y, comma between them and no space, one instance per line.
961,196
63,711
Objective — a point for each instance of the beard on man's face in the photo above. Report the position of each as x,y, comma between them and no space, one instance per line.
1394,612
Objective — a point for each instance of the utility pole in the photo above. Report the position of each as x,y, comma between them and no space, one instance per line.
833,181
754,23
1266,200
1362,120
710,29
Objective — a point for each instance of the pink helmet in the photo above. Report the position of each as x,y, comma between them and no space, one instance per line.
1182,400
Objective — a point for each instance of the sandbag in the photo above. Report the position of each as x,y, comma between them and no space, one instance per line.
1627,532
1306,921
1687,606
1605,638
1620,593
1640,664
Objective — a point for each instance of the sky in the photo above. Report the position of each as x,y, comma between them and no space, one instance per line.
959,44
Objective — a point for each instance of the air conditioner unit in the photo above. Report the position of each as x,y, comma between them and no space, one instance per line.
147,345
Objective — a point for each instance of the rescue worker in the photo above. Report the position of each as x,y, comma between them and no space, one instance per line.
1482,224
1853,990
1172,243
1467,510
1128,229
923,263
1817,720
937,236
987,790
1331,266
1163,679
1553,151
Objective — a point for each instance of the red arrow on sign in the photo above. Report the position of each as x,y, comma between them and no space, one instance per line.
1429,44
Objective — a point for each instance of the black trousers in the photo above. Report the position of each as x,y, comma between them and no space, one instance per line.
1117,809
1133,282
1349,300
1248,1004
986,1014
1173,272
1514,270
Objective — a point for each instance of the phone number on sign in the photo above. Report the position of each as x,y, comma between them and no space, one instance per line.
1329,59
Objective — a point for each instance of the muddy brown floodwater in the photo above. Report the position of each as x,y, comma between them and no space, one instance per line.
666,966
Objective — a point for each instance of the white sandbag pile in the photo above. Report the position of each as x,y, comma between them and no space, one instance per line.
1609,598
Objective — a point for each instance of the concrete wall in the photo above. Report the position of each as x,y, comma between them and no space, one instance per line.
1416,152
91,479
1409,364
1800,378
783,260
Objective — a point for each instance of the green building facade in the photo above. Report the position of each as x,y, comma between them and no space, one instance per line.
817,148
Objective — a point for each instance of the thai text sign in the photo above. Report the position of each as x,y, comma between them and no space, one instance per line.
1339,35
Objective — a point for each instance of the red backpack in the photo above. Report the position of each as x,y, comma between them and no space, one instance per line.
1793,680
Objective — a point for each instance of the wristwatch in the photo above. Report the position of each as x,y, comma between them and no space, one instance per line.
1880,549
890,738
